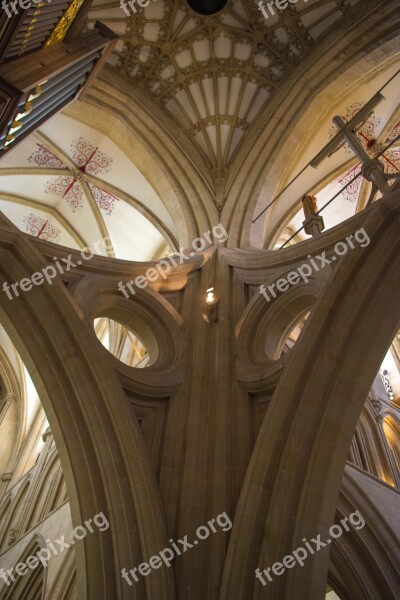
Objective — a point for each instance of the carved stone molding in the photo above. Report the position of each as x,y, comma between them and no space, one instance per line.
191,64
12,536
377,404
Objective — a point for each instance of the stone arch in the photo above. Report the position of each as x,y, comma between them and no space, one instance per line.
314,413
15,512
32,585
87,410
4,509
367,563
391,428
65,585
12,412
46,493
263,328
372,446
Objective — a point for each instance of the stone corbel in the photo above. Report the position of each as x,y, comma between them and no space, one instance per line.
219,182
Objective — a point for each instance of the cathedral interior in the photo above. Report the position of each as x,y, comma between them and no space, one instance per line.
199,300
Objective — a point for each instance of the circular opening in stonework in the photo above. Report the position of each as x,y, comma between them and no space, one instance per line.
295,333
207,7
122,342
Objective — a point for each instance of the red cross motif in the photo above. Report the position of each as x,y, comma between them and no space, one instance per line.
368,128
67,188
88,159
41,228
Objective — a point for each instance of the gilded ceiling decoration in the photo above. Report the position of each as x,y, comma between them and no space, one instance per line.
214,73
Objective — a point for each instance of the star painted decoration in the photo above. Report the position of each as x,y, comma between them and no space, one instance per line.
68,188
88,159
42,157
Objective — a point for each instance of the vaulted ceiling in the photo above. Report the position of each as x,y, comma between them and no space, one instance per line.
69,184
81,176
214,73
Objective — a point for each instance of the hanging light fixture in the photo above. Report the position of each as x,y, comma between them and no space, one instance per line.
207,7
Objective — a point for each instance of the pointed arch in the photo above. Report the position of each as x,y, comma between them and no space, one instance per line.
15,511
32,585
366,563
65,584
314,412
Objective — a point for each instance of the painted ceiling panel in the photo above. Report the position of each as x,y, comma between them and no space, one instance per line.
72,185
32,188
35,221
121,172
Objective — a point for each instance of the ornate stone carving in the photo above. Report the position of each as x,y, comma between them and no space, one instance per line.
12,536
377,404
214,75
219,181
